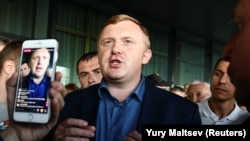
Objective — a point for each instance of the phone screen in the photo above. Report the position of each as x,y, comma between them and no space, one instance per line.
34,79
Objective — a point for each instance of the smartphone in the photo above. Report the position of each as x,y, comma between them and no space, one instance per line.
32,101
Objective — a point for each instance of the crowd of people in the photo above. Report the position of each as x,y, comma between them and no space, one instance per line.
116,99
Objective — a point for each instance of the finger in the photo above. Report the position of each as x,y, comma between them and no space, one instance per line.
58,76
56,104
74,128
75,122
57,86
135,135
74,132
128,139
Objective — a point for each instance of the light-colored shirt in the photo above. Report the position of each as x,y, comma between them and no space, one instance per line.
208,117
117,119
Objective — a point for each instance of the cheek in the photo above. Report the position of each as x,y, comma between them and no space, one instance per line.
240,67
83,81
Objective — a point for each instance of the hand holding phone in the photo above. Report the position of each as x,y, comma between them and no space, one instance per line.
32,103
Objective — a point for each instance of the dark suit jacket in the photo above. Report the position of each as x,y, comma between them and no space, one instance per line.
158,107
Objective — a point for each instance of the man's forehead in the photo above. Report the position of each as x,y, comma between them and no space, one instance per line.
126,26
41,52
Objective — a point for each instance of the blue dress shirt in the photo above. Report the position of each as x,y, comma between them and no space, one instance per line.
117,119
38,92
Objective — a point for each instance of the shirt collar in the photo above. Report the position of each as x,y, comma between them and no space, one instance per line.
42,82
233,116
138,92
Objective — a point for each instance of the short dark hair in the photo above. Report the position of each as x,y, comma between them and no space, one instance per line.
25,62
176,87
219,60
71,86
86,57
158,81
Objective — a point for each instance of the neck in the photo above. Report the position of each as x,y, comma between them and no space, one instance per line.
37,80
221,108
122,90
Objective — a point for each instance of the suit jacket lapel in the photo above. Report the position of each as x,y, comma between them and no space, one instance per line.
151,108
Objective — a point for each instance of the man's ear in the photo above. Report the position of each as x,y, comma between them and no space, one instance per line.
147,56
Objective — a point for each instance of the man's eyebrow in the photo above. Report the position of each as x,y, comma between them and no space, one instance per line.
83,72
219,70
97,69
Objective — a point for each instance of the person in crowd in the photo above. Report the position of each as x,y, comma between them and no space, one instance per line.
71,87
159,82
117,108
25,69
179,90
38,81
88,69
30,131
198,91
9,59
3,42
237,51
186,86
221,108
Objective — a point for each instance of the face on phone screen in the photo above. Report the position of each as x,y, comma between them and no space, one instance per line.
33,87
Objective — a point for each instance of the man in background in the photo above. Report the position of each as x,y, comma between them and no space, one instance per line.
179,90
221,108
88,69
25,69
198,91
156,79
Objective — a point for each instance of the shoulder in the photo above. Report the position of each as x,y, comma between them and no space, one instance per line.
80,94
160,95
240,112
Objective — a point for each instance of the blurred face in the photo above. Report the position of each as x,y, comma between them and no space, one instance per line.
239,68
198,92
238,50
122,52
221,86
89,72
25,70
178,92
163,87
39,62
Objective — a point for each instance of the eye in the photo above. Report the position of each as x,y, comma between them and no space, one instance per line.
98,71
127,41
108,43
83,75
199,94
217,73
35,58
45,57
189,95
